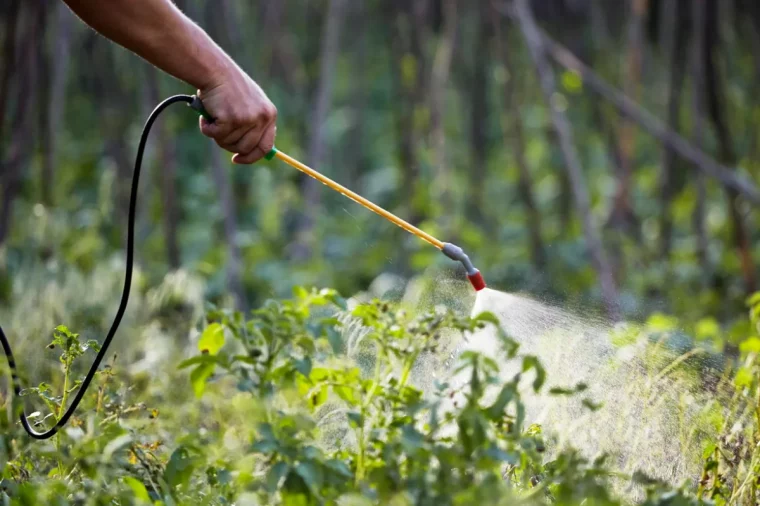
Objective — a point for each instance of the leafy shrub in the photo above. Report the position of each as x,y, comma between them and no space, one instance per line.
292,409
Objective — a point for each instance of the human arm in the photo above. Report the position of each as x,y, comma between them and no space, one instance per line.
244,118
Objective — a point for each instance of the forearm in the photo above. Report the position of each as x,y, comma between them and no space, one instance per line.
157,31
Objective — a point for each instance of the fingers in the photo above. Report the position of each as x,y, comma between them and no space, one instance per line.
224,134
252,157
247,142
250,151
267,140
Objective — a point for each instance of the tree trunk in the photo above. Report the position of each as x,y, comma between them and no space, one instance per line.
223,183
623,216
675,35
317,141
408,67
64,21
514,134
439,79
727,155
355,150
572,162
698,99
19,147
479,114
8,61
167,167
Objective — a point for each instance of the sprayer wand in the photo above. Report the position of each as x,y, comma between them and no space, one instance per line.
450,250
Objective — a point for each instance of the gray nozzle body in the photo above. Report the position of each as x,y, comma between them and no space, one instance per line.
456,253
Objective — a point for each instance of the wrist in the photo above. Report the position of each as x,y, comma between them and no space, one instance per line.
215,72
209,64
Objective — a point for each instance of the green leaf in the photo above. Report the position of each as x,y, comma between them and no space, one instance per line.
265,446
411,439
312,475
355,419
199,376
339,467
138,489
307,343
661,323
180,467
115,445
275,476
743,378
496,410
199,359
750,345
591,405
707,328
487,317
572,81
345,393
318,397
212,339
753,299
303,365
532,362
709,449
335,339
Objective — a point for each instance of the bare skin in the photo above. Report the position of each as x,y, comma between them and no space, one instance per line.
244,118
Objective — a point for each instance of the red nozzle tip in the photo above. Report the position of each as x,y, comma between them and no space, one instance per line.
477,281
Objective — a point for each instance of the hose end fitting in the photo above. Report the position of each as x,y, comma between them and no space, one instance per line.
456,253
478,283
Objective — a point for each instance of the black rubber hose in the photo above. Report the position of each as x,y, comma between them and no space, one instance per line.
124,296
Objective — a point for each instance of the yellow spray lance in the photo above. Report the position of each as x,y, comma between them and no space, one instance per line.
450,250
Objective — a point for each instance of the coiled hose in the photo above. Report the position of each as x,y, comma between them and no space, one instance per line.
190,100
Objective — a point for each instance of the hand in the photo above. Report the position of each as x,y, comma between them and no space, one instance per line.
244,117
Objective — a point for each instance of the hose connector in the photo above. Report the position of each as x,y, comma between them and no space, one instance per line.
457,254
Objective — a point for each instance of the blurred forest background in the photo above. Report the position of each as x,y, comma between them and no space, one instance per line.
501,126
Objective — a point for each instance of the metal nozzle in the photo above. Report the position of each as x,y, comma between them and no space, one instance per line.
457,254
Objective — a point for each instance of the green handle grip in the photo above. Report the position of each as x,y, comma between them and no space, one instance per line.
197,105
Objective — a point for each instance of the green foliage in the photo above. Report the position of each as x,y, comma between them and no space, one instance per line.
309,423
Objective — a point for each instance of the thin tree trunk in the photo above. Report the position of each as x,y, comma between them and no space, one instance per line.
167,167
355,146
514,134
19,147
727,155
223,183
599,24
675,34
408,66
698,73
317,141
439,79
9,60
64,21
622,211
479,113
572,162
42,98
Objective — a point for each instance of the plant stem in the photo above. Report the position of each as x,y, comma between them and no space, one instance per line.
61,410
363,410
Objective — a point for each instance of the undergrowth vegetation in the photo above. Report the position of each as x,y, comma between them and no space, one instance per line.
313,400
